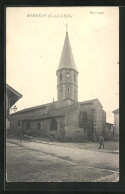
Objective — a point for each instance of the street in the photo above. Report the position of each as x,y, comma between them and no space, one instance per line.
47,162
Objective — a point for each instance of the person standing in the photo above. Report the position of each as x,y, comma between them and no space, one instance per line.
101,141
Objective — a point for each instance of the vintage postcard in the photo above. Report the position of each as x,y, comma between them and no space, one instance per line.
62,94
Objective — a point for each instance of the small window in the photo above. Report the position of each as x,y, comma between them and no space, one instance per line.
68,89
60,77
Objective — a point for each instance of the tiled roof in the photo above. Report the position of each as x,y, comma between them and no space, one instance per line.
48,105
32,108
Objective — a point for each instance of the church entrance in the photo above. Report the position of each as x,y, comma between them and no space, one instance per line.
26,127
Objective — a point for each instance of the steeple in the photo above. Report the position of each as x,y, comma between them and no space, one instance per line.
67,60
67,74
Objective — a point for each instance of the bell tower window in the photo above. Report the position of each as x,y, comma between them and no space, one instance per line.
67,74
68,89
60,77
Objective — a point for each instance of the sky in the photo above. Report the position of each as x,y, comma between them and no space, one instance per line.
34,43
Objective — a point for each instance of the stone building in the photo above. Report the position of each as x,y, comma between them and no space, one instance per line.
116,123
65,119
109,131
12,96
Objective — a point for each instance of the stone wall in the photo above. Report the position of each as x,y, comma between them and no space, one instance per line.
44,131
103,119
116,124
99,118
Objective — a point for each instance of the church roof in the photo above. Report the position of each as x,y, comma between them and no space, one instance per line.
67,60
44,106
91,101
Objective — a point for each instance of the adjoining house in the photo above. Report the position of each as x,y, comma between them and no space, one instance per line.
109,131
12,96
66,119
116,123
109,127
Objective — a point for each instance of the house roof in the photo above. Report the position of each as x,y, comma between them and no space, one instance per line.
13,95
116,110
14,91
109,123
67,60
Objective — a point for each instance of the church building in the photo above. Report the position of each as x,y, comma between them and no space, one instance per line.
65,119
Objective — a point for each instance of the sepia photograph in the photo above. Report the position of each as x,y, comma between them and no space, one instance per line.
62,94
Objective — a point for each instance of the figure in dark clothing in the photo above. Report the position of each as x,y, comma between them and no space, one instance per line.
101,141
20,132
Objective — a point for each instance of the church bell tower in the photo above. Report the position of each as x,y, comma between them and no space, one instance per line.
67,74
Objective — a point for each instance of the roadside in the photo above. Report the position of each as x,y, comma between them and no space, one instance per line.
110,146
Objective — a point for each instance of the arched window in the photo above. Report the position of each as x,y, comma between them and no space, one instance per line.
84,116
38,126
82,119
60,77
53,125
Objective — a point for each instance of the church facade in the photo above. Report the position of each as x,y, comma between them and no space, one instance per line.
65,119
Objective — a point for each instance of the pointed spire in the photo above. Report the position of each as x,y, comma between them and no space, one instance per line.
66,28
67,60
